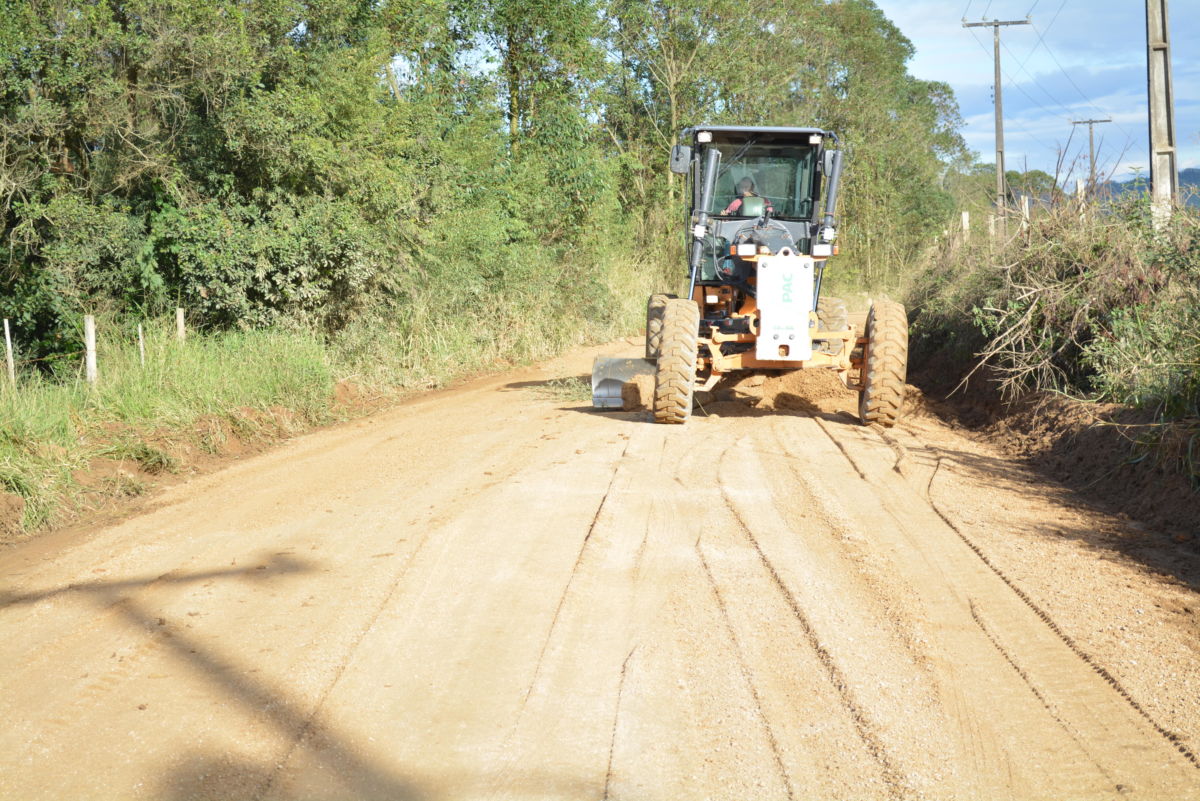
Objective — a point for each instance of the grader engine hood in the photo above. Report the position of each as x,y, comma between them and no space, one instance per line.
785,297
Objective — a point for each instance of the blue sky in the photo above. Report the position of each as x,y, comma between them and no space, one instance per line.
1090,63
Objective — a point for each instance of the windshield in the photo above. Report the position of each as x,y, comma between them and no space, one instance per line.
782,174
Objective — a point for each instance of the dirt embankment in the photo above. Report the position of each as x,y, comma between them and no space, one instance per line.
1108,454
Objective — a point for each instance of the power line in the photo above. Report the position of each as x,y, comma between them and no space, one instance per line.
1067,75
1043,89
1041,40
1017,86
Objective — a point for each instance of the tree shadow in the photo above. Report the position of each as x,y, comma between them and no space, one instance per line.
269,702
199,775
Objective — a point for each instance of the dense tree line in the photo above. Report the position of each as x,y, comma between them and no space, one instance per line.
265,161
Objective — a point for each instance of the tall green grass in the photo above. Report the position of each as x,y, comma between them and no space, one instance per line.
54,424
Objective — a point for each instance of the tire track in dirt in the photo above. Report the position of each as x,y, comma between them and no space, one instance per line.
834,675
562,598
1045,617
892,600
740,656
910,477
612,743
1050,707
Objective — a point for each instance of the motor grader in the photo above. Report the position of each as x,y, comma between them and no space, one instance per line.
759,242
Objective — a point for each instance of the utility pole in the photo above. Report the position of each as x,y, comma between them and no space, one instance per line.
1164,177
996,25
1091,124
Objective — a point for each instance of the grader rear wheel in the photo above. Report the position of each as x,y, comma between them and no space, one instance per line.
675,376
654,323
884,365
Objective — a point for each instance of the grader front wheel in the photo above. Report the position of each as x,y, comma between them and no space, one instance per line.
884,365
675,376
654,323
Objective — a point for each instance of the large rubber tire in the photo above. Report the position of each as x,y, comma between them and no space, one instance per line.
654,319
832,314
675,378
885,364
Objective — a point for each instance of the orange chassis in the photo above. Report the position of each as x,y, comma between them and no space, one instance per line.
846,358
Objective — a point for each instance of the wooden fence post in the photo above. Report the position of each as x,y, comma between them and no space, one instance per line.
89,348
141,346
180,327
8,355
966,226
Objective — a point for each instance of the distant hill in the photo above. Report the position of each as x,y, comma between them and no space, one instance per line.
1189,186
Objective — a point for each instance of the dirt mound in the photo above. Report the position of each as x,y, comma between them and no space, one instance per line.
807,391
638,393
118,477
1109,452
812,391
12,508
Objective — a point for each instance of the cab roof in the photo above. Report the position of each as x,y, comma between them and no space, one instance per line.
768,129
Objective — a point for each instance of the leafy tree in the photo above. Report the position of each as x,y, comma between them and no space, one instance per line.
432,161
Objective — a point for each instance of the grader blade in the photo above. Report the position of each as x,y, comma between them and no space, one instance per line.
610,374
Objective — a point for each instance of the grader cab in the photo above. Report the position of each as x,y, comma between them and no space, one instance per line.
759,242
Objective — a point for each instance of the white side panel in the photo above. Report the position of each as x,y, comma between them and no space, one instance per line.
785,287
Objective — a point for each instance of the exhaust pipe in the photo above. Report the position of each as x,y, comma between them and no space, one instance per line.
831,195
711,165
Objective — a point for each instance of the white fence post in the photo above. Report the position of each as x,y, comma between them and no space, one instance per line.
141,346
89,347
8,355
180,327
966,226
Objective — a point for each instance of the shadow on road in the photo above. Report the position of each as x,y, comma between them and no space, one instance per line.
270,702
1121,539
344,771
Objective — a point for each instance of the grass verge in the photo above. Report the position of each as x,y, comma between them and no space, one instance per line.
66,446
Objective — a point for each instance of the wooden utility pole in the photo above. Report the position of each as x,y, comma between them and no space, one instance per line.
1091,124
996,25
1164,177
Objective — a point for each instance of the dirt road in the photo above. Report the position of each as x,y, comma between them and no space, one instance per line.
492,592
